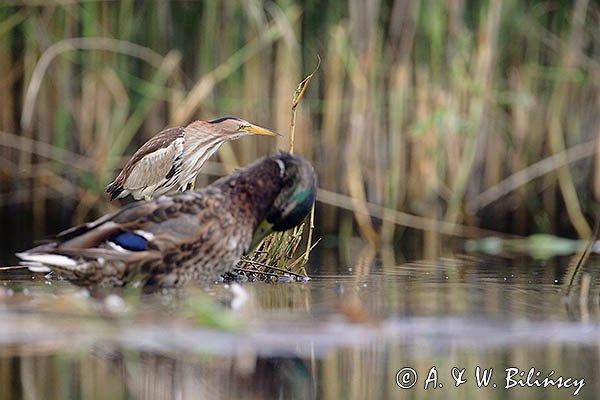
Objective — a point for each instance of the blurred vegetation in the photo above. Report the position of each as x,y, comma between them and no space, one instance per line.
460,113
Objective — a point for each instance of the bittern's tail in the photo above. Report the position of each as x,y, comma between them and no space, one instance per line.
114,190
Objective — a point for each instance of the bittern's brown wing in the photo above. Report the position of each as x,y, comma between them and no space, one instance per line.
153,169
153,164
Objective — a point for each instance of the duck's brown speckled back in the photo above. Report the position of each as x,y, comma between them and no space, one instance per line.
184,237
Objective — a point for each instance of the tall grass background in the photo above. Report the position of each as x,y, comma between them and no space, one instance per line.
451,117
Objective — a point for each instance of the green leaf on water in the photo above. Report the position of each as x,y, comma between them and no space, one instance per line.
207,313
539,246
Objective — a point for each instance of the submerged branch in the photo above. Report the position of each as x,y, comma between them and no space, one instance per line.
536,170
45,150
405,219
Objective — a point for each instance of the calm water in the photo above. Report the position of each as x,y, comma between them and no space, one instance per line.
342,336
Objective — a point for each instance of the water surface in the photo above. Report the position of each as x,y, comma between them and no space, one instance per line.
344,335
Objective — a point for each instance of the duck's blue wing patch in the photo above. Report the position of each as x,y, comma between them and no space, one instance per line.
130,241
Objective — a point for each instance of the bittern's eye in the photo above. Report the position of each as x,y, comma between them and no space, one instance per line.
243,127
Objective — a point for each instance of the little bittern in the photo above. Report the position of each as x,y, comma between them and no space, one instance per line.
171,159
183,237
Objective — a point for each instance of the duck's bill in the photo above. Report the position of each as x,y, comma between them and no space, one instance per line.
264,229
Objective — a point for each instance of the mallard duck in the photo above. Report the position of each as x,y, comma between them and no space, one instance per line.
171,159
185,236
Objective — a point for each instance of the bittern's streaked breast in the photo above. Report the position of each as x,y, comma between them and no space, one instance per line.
171,160
184,237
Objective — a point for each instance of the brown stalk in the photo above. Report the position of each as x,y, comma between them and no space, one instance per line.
536,170
280,247
187,106
405,219
555,125
97,43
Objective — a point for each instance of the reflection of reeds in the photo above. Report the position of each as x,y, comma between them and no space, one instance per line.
422,106
111,372
61,345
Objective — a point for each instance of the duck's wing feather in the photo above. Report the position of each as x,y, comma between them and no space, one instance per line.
180,215
151,234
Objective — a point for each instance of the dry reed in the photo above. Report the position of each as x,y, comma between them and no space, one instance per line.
440,109
274,257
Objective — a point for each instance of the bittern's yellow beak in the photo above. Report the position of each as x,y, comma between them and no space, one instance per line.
257,130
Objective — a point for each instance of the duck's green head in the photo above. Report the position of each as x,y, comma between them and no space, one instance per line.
295,199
